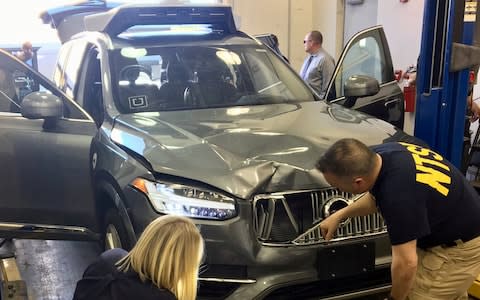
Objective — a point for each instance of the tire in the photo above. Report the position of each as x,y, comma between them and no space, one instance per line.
114,232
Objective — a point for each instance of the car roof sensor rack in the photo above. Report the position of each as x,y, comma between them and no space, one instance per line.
119,19
55,16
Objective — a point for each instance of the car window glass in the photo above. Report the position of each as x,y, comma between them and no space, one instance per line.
72,68
17,83
194,77
9,91
90,97
260,67
58,74
363,58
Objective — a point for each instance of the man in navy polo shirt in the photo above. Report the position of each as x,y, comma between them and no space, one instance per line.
431,211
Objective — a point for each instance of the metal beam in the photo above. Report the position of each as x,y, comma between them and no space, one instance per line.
442,77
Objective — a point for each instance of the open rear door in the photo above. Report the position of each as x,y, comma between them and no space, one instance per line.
68,20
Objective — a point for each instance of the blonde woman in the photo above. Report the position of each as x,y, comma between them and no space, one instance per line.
163,265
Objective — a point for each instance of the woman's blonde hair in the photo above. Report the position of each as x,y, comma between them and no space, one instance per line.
168,253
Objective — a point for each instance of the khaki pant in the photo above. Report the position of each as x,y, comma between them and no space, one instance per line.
446,273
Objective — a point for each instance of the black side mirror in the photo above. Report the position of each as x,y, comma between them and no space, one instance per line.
42,105
358,86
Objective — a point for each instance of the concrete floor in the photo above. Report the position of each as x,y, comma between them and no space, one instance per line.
51,268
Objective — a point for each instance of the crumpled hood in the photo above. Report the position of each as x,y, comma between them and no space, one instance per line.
249,149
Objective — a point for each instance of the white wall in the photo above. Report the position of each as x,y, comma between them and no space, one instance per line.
328,19
301,23
403,27
359,17
290,20
253,20
19,21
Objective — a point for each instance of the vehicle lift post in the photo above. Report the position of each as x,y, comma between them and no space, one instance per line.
450,29
451,32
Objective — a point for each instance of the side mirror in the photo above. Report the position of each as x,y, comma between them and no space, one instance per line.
42,105
358,86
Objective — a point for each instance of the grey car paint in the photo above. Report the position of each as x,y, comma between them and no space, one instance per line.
245,150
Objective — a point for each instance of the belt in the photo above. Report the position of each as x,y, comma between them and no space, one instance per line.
459,241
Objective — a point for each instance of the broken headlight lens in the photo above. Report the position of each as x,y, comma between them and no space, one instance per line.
178,199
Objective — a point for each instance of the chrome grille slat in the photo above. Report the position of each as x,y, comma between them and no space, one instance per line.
265,216
316,206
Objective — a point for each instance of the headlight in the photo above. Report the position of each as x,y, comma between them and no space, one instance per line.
178,199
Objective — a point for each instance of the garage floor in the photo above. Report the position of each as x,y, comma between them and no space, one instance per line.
52,268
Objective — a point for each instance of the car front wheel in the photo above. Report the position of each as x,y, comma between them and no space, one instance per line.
115,235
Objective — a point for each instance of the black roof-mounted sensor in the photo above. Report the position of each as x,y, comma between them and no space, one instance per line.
114,18
119,19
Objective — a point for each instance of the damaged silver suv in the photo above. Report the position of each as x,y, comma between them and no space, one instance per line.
171,110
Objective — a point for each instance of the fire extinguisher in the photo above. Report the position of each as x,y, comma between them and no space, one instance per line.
409,90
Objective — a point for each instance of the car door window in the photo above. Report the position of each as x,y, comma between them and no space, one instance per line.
17,81
363,58
72,68
363,55
58,74
68,66
15,84
90,95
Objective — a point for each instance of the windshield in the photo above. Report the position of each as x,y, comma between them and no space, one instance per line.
197,77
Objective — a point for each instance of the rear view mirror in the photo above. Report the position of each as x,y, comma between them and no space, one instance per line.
358,86
41,105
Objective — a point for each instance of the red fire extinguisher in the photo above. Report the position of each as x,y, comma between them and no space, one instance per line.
409,90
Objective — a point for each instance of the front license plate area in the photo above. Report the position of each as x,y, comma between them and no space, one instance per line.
346,260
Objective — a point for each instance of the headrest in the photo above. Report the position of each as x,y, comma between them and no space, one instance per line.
126,72
209,74
176,72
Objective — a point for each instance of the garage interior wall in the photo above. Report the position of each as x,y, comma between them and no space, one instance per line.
403,27
290,20
358,17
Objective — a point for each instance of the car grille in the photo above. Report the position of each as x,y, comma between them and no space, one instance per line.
293,218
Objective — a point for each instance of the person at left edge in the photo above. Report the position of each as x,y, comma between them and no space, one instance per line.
26,53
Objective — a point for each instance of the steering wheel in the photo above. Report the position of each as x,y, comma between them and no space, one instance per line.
131,72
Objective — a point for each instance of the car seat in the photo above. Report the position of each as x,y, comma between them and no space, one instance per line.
172,92
211,89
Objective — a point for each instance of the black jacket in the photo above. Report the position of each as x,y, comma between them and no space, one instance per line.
102,281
